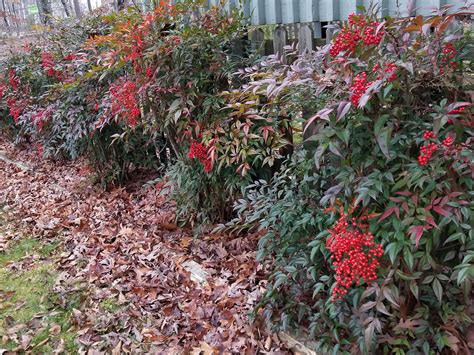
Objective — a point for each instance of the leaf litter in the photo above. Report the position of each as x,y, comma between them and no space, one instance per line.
123,254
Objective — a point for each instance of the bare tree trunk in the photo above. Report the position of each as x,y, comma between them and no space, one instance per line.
45,11
17,19
4,14
121,4
67,8
89,5
77,8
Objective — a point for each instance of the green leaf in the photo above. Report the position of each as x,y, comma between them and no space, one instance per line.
383,140
414,288
408,257
319,154
438,289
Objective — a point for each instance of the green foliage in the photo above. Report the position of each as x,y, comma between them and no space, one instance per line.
365,119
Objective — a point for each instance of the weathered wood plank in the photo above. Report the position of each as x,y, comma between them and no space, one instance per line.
290,11
347,7
257,12
400,8
328,10
309,10
257,39
280,37
426,7
305,38
272,11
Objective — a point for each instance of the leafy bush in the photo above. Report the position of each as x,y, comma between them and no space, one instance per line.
391,138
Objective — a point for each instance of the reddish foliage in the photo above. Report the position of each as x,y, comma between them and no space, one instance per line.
16,107
13,79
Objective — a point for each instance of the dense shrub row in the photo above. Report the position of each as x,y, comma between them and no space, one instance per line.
355,161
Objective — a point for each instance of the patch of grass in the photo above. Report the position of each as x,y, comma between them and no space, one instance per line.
31,288
27,297
110,305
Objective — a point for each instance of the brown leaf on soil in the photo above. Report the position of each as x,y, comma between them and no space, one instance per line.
123,253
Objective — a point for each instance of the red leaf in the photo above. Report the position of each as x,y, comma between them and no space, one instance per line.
387,213
405,207
404,193
441,211
431,221
417,231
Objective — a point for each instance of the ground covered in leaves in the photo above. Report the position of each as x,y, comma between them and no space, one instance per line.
86,270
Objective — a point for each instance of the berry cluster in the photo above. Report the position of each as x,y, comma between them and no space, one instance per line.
70,57
426,151
359,87
149,72
355,255
448,141
2,90
356,31
448,54
388,71
429,134
124,101
47,62
199,151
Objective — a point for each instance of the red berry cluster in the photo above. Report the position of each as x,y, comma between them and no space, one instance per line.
2,90
448,55
149,72
429,134
124,101
359,87
47,62
13,79
199,151
448,141
16,108
355,255
370,36
352,33
388,71
70,57
426,151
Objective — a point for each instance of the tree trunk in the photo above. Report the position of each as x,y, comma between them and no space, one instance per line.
3,9
45,11
89,5
121,4
77,8
67,8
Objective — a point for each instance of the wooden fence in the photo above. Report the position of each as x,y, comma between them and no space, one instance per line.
277,23
267,12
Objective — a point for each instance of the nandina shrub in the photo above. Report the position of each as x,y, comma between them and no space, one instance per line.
390,134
